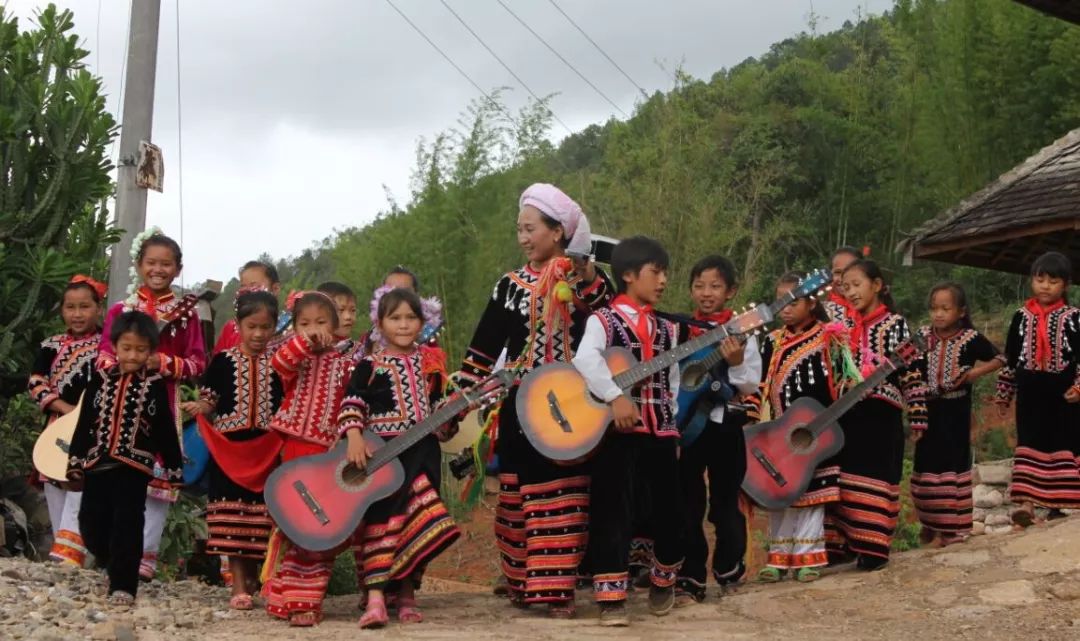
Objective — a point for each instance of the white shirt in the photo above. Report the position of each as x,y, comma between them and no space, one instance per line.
744,377
589,360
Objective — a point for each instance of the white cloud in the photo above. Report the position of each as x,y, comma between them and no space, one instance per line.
296,114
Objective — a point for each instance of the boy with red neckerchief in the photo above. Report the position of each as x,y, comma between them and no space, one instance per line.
641,449
720,448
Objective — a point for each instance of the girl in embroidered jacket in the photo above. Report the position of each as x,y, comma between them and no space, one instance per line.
1042,373
391,390
254,275
241,391
804,358
125,434
538,313
180,354
836,304
871,462
314,375
955,356
61,371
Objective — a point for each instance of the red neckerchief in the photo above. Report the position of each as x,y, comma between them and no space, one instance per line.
860,322
641,329
1042,329
152,300
716,318
839,299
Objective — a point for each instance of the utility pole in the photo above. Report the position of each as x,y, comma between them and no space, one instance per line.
136,126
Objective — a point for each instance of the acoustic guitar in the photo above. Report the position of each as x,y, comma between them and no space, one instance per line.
52,446
695,379
781,455
185,308
565,422
318,501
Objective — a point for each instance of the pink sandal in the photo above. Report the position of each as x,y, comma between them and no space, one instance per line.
375,615
408,612
241,601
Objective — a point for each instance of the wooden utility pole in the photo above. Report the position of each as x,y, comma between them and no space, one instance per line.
136,126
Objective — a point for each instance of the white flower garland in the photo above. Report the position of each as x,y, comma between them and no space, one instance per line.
132,300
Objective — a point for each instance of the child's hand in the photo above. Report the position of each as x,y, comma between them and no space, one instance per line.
61,407
153,363
195,408
916,435
320,338
624,414
1003,409
359,451
76,480
732,350
1073,395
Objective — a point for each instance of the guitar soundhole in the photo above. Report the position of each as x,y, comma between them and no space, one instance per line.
692,376
351,477
801,439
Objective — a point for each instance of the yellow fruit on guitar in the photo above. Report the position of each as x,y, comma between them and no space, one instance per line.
563,293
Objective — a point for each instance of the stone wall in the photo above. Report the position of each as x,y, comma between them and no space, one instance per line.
990,497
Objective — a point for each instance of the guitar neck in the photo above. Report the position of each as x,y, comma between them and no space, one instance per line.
856,394
416,433
641,371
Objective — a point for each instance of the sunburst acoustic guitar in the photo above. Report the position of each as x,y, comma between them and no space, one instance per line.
318,501
565,422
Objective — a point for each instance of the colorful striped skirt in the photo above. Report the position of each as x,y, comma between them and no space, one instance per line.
1046,467
871,465
402,533
941,481
236,518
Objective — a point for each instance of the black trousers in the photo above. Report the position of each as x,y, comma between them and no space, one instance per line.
111,523
623,464
720,450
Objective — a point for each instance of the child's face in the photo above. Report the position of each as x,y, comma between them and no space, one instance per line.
80,311
711,292
840,262
647,285
256,330
1047,289
399,281
346,311
794,314
132,352
158,268
255,277
945,314
861,290
313,318
401,327
539,242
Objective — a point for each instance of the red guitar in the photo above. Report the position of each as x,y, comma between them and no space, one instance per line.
781,455
318,501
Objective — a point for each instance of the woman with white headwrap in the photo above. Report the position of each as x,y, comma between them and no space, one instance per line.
537,314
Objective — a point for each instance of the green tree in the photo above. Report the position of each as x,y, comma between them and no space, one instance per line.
54,179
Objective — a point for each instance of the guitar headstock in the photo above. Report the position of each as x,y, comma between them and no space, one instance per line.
488,391
430,332
909,350
188,303
814,282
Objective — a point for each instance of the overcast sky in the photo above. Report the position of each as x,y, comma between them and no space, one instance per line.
296,114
